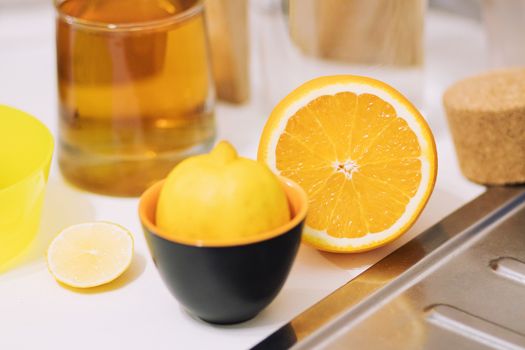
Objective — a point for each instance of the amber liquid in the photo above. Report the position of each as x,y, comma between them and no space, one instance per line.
136,96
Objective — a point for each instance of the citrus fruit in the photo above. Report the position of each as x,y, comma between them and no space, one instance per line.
362,152
90,254
220,198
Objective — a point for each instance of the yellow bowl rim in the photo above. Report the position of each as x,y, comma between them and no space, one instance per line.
51,146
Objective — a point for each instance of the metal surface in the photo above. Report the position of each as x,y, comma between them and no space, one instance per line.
458,285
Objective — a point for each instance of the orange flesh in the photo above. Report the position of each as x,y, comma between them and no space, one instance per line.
356,159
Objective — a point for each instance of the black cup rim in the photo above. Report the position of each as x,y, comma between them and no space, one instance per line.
299,209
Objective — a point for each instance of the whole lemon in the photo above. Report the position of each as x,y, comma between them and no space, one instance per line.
221,197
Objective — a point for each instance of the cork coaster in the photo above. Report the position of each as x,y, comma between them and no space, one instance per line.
486,115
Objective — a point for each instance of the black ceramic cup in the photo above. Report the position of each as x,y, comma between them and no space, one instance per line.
226,284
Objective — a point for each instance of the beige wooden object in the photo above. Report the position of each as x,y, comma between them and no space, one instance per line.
228,32
486,115
360,31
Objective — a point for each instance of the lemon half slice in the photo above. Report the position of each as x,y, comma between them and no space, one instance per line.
90,254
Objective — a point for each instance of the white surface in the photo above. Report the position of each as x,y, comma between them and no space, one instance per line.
137,312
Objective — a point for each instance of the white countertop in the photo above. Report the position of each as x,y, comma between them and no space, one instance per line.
137,311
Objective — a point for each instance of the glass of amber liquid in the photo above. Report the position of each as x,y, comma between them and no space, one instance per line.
135,91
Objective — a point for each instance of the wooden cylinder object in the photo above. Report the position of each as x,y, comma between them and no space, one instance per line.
360,31
228,32
486,115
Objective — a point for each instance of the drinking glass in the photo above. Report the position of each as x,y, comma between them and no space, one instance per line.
504,22
135,90
298,40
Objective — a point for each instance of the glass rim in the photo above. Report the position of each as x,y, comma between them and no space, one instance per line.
196,8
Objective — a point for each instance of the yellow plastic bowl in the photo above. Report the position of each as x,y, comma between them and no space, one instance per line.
26,148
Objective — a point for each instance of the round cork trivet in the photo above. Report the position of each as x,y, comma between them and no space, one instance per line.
486,115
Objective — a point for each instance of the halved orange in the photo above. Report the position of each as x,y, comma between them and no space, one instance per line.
362,152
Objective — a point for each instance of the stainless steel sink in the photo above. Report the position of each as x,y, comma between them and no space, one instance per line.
458,285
